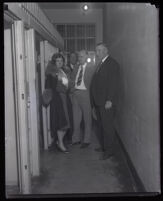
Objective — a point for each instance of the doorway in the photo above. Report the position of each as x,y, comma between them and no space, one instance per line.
21,112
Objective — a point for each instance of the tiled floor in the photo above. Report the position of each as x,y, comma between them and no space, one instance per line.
81,171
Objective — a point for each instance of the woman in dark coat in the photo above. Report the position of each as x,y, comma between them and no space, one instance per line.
58,81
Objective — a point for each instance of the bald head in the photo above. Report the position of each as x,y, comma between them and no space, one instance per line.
101,51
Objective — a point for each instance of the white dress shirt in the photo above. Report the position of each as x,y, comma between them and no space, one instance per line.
82,85
72,66
104,58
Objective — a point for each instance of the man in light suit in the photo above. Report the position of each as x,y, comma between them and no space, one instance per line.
105,89
81,77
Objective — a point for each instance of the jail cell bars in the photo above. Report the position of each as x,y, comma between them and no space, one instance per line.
78,36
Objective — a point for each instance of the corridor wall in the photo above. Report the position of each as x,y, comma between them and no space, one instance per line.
132,34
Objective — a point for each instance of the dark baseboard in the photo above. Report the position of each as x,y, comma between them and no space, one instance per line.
139,185
12,189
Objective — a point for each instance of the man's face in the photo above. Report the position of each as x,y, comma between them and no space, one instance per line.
82,57
100,52
73,59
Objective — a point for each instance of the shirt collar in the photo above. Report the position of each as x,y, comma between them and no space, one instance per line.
105,58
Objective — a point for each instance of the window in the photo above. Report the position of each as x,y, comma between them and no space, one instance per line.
78,36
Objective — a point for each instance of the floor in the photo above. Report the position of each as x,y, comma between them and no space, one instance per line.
81,171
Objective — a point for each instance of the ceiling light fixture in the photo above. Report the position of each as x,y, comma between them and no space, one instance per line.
85,7
88,60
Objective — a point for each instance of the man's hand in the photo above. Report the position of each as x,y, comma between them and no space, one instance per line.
94,114
108,105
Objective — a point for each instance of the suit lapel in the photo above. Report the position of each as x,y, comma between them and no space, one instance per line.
101,64
87,74
75,71
98,67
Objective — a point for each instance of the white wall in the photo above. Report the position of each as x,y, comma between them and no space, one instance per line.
131,32
76,16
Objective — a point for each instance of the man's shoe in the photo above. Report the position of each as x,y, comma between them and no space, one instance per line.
106,156
99,149
69,142
76,143
84,145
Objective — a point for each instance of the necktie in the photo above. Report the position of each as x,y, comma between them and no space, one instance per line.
71,67
80,76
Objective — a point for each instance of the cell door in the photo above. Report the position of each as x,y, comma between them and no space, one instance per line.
18,36
30,60
11,166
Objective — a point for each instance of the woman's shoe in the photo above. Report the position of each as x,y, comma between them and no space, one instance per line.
61,149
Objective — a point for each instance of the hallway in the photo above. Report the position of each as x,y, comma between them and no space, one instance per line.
33,33
81,171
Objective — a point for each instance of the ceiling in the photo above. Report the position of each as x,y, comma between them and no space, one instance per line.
69,5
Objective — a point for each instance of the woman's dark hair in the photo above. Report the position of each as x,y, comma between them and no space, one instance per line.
56,56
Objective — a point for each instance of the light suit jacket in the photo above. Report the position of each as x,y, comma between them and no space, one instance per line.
88,74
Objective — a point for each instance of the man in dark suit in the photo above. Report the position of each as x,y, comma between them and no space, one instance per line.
73,58
104,98
81,79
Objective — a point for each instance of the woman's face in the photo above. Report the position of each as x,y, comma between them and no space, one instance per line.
59,62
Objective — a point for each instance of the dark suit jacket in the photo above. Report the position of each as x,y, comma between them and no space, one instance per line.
89,71
105,83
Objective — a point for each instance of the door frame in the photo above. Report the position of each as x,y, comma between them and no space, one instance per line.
18,35
44,112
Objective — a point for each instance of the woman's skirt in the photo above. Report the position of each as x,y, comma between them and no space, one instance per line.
65,107
59,117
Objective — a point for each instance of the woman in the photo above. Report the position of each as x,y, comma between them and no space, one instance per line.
68,138
57,81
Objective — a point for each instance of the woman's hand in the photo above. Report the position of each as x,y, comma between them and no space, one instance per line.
59,76
65,81
108,105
